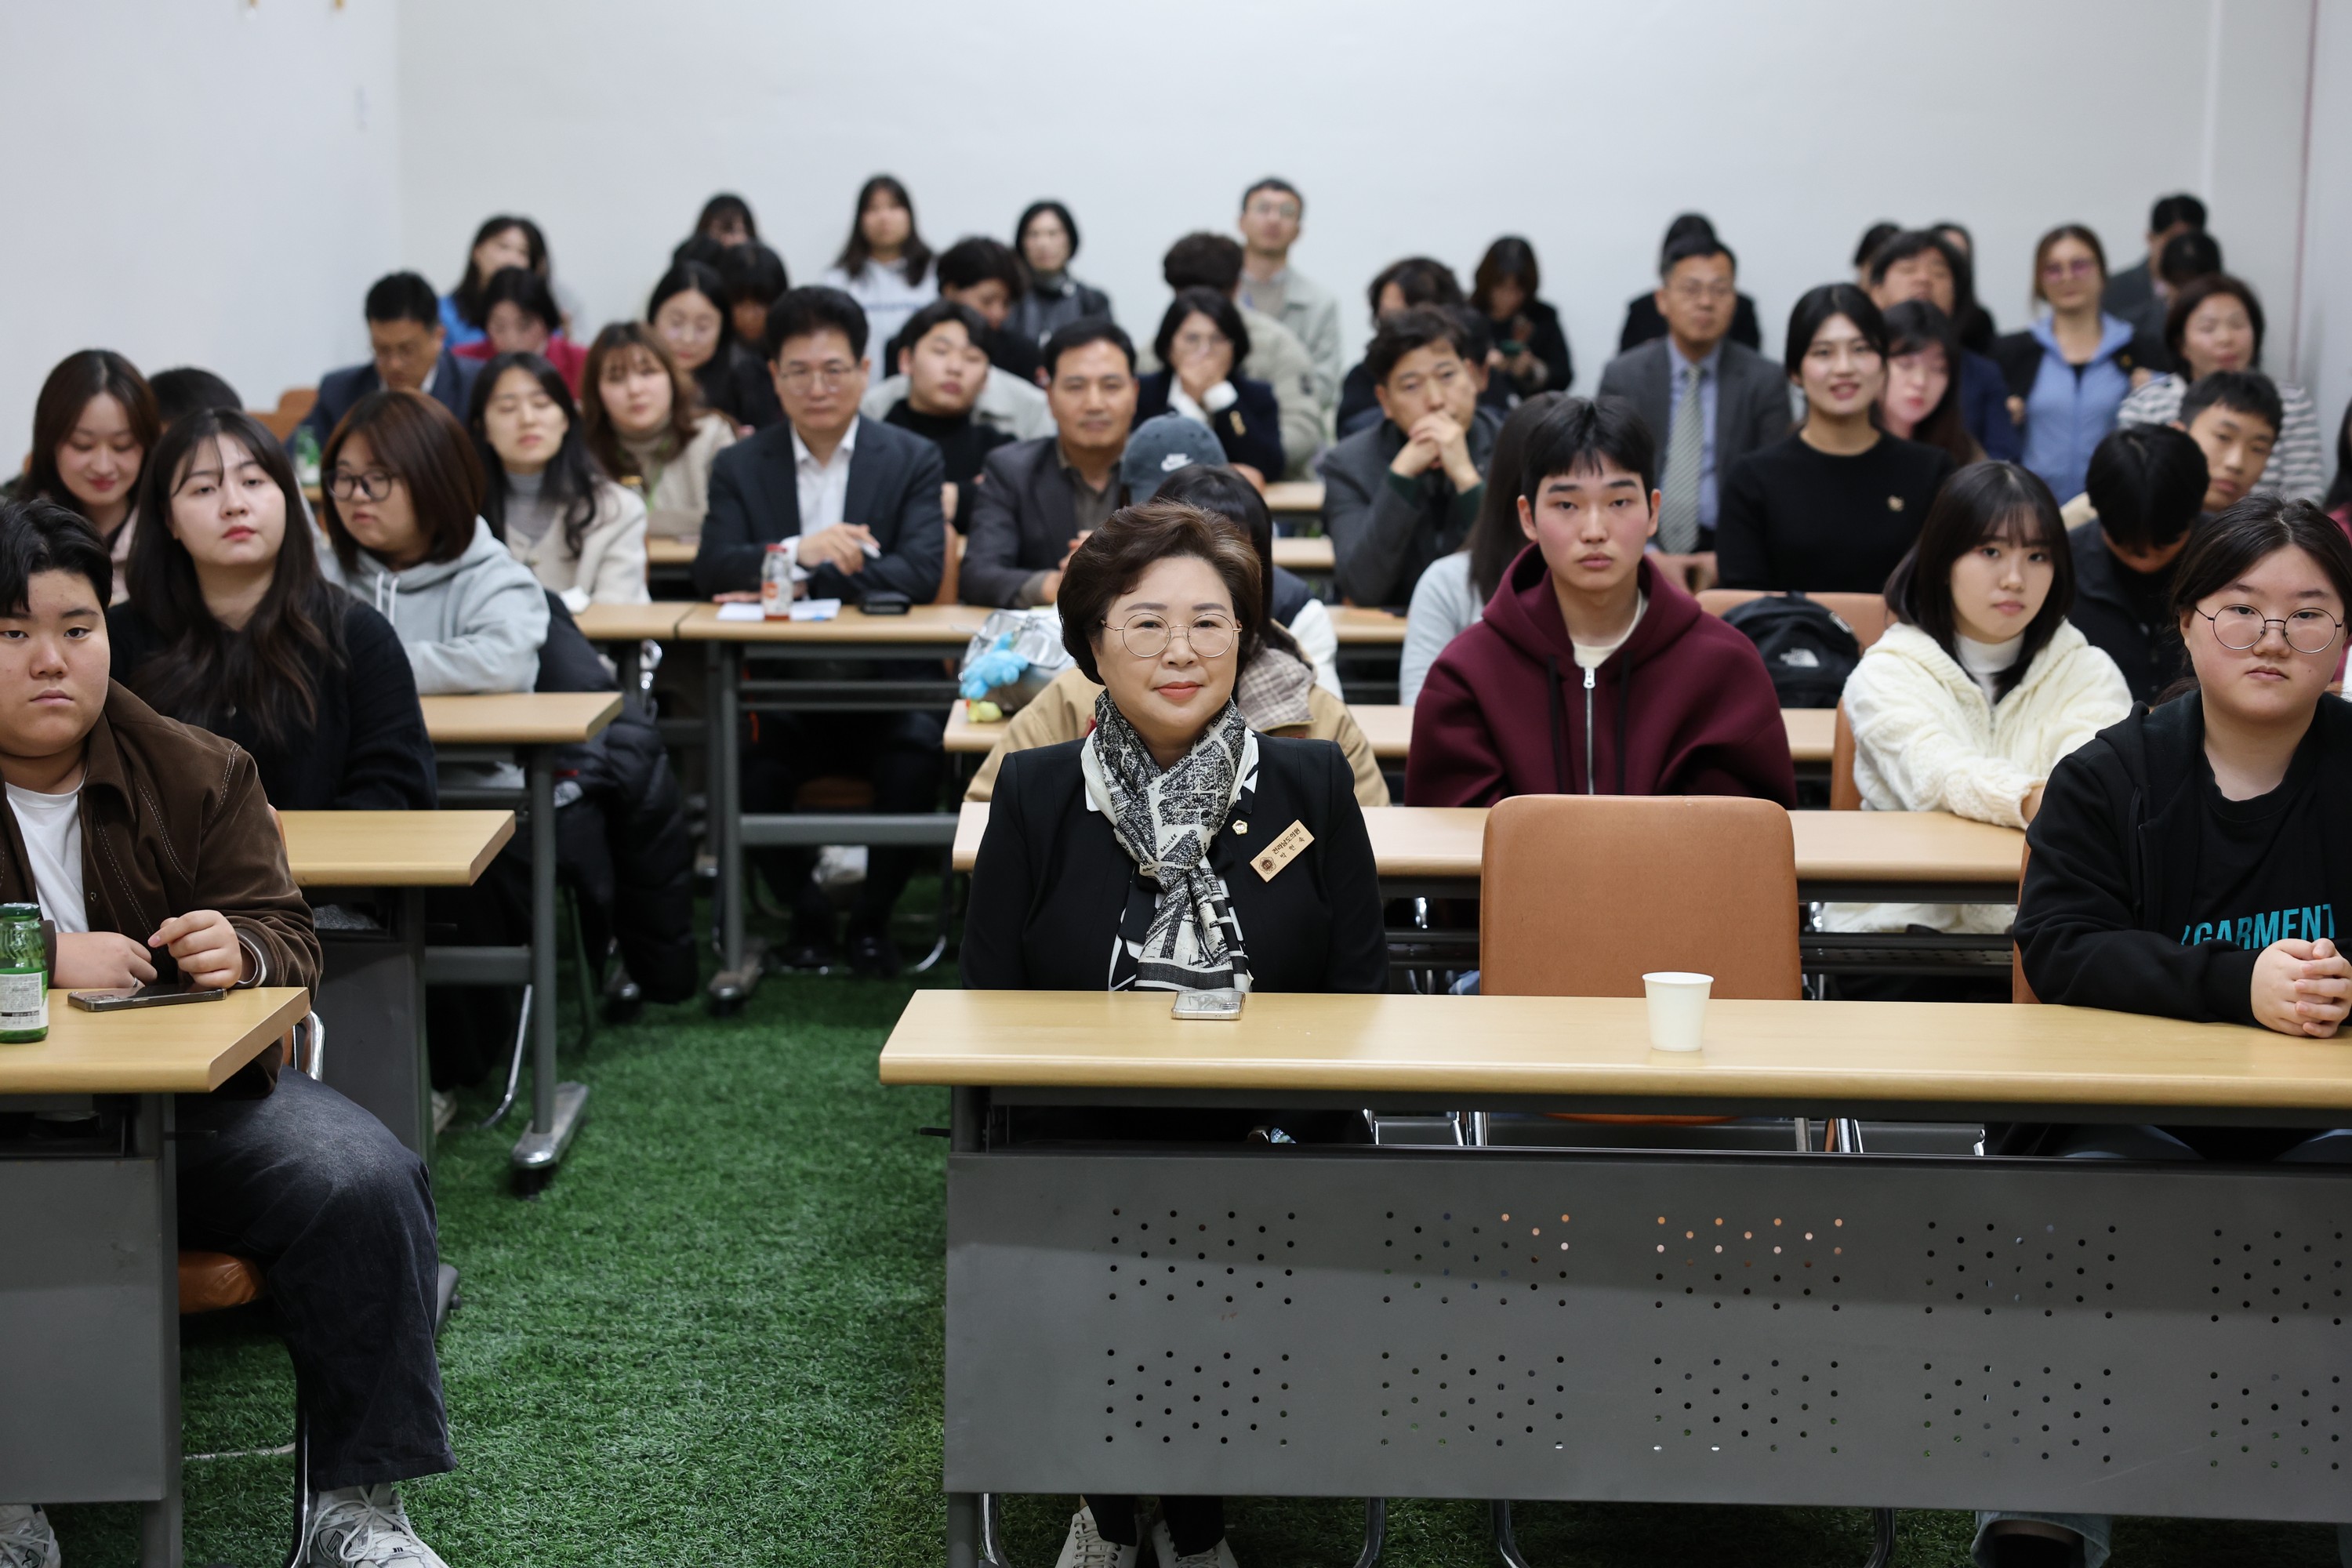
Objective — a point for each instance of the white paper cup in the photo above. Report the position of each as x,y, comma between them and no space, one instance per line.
1678,1008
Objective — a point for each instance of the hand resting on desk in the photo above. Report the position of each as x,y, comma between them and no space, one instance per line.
2302,988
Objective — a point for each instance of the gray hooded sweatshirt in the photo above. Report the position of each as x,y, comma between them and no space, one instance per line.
472,625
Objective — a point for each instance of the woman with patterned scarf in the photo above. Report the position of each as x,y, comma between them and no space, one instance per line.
1172,849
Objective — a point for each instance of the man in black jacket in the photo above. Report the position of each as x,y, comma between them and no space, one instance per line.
1403,492
409,353
855,505
1037,499
2145,485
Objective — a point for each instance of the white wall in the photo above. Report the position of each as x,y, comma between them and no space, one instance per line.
2322,347
250,168
1794,125
193,182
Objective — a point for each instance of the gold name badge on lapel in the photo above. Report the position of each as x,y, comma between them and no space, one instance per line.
1295,838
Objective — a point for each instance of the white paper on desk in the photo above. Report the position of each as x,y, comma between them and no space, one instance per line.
739,612
815,609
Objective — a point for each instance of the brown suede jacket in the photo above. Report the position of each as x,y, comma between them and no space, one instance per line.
174,819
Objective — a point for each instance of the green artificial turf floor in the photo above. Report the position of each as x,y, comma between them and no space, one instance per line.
716,1339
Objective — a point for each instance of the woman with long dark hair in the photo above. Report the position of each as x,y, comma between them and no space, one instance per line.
1047,238
643,420
583,536
688,312
93,425
1982,684
1922,400
1530,352
884,266
502,241
1453,592
230,626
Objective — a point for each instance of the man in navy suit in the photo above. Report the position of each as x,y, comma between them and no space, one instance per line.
405,340
855,504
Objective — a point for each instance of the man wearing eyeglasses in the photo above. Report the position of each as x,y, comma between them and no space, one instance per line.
1707,400
1400,493
855,504
407,352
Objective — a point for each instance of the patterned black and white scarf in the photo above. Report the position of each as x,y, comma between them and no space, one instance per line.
1178,931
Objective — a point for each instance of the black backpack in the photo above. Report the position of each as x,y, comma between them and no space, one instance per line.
1807,649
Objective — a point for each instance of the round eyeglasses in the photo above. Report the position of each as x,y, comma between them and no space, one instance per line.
1147,635
346,484
2240,627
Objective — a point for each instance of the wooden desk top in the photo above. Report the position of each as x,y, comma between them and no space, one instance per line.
1812,733
927,624
666,552
968,738
519,718
1304,554
1294,496
1600,1045
1367,628
1448,842
631,623
392,848
192,1049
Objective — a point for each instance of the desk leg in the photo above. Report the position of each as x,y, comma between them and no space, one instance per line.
159,1521
555,1108
739,963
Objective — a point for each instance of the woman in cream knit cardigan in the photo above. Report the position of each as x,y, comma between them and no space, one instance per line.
1967,702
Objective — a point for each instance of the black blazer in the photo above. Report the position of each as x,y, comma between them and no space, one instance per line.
1051,881
1249,429
894,489
452,387
1022,519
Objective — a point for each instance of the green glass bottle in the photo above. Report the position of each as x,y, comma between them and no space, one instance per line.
24,976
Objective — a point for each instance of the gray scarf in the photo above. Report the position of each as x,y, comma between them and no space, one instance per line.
1187,936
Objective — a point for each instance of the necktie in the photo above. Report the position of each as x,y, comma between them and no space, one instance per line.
1678,510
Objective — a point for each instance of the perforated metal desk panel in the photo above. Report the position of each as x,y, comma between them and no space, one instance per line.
1827,1329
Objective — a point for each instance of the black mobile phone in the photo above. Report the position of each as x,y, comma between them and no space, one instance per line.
884,602
121,996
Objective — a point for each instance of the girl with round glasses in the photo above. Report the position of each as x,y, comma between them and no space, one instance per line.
2191,861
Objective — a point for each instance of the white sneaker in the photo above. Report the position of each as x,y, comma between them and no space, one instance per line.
25,1539
1086,1548
366,1525
1164,1544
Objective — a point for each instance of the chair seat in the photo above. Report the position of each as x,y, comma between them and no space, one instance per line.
833,793
214,1282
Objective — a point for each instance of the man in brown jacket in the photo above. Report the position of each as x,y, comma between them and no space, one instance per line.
153,854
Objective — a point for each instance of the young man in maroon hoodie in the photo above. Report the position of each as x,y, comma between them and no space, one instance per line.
1590,673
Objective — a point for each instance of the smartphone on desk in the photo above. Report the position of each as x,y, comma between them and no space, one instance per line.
117,998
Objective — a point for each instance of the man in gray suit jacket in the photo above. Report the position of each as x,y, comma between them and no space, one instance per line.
1742,398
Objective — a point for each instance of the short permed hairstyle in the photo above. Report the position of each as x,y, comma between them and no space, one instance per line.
1409,329
811,308
1115,557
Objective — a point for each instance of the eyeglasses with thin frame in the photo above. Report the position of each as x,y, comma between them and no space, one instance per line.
348,484
1147,635
2080,266
801,378
2241,627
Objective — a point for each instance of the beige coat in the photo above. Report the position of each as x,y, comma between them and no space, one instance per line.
610,568
1064,710
677,492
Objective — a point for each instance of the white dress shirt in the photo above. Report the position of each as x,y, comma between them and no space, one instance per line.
823,491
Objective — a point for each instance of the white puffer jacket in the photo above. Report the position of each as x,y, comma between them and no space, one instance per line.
1926,740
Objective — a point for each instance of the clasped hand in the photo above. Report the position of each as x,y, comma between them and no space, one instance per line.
200,942
2302,988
